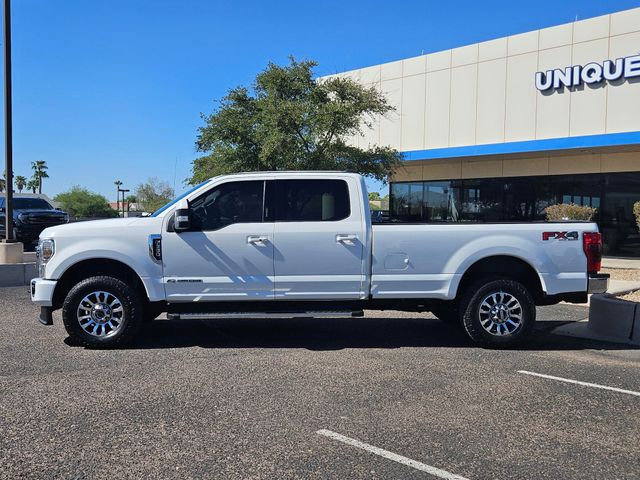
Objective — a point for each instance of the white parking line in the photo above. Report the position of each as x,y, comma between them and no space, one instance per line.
391,456
578,382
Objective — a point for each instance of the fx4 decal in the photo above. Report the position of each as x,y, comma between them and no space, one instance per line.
560,236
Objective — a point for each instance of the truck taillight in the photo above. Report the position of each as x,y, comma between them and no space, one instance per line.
592,243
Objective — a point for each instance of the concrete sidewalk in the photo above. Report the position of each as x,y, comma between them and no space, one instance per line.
581,330
621,287
617,262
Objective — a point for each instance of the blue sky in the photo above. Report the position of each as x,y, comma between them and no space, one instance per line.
113,89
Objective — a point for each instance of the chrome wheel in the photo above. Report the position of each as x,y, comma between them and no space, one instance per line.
500,314
100,314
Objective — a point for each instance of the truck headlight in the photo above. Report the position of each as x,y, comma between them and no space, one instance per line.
46,249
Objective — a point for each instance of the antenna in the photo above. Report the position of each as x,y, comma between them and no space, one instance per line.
175,167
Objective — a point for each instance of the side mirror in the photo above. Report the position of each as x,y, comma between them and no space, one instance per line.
182,220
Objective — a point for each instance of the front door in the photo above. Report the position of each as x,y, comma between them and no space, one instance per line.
319,240
228,254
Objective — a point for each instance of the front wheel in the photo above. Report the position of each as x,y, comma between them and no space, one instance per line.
102,312
497,313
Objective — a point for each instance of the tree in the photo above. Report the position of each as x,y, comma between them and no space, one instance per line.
21,182
32,185
3,181
80,202
39,168
291,121
374,196
153,194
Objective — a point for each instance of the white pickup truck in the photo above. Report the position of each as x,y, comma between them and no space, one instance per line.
302,244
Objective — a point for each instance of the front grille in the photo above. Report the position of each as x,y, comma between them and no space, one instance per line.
44,219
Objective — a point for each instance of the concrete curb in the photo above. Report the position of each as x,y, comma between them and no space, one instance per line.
17,274
610,320
612,316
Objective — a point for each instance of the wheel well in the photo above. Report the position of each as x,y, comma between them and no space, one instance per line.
94,267
503,266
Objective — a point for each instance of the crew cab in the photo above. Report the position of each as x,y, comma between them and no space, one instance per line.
302,244
31,215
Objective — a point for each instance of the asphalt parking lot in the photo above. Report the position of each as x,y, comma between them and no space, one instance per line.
391,395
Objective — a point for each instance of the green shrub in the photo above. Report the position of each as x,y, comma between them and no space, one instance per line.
80,202
569,211
636,213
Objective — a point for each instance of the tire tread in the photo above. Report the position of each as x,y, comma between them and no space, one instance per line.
128,295
472,326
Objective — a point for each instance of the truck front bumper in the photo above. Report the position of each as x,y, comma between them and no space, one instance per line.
598,283
42,291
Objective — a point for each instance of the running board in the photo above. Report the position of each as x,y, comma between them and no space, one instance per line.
230,315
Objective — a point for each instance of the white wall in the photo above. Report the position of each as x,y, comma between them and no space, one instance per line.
485,93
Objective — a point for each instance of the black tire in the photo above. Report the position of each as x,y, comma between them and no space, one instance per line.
488,336
128,324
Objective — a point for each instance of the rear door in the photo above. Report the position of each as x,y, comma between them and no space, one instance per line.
319,239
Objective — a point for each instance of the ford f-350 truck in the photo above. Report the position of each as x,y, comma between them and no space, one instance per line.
302,244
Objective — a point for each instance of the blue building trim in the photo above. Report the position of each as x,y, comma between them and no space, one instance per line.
565,143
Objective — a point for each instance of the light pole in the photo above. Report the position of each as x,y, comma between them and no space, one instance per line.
117,183
8,125
123,190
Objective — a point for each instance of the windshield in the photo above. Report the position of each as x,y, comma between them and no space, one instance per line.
29,204
177,199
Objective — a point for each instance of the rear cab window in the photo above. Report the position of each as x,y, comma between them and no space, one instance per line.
309,200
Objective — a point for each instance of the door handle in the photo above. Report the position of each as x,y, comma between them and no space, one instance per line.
256,239
344,238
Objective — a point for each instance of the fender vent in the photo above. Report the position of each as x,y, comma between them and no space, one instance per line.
155,247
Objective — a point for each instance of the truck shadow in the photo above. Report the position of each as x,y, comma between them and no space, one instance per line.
333,334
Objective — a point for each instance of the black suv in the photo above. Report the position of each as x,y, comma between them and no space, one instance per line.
31,215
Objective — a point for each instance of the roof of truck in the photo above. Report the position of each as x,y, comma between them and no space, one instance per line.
291,172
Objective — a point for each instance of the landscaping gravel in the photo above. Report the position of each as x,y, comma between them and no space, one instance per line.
622,273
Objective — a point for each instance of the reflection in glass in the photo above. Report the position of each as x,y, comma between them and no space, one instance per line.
525,199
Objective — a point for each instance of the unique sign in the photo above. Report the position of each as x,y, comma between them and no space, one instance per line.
591,73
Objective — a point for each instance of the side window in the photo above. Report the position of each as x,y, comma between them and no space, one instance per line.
311,200
232,202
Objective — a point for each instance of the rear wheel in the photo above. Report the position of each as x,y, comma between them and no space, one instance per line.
102,312
497,312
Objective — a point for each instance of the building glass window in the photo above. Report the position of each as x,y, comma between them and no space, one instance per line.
617,221
482,200
579,189
441,202
523,199
405,201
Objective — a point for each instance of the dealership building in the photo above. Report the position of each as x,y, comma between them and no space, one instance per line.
499,130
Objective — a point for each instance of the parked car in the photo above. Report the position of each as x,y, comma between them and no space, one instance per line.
31,215
291,244
379,216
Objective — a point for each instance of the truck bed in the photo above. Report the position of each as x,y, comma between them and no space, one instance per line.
428,260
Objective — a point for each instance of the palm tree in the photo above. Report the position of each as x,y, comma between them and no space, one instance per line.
32,184
3,183
21,182
39,171
117,183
